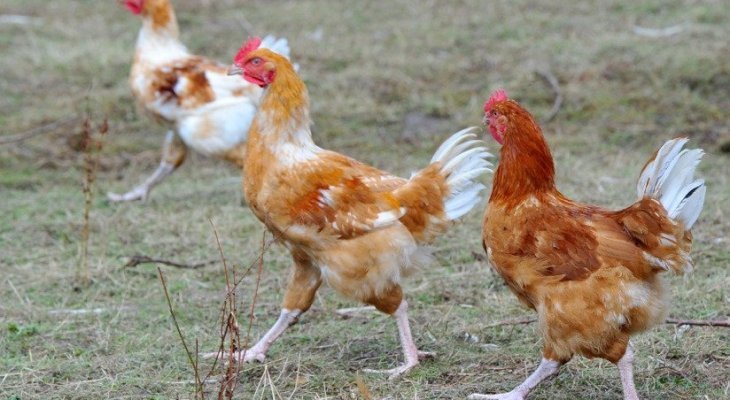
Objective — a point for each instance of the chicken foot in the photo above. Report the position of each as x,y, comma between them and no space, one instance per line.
258,351
140,192
546,369
411,353
303,284
173,155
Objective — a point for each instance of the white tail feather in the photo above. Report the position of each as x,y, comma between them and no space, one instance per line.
650,175
669,178
463,202
463,158
457,183
278,45
462,163
681,173
690,210
448,144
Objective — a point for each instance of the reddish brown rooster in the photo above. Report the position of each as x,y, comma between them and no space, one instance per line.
353,226
593,275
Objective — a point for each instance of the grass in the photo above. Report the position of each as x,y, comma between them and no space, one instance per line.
375,64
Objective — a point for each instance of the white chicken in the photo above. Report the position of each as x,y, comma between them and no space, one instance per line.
209,111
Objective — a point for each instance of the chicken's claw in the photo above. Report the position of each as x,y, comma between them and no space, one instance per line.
141,191
501,396
241,356
392,373
138,193
403,369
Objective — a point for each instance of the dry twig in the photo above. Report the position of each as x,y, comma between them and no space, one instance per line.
228,383
260,270
39,130
193,363
260,259
675,321
229,323
513,321
699,322
91,164
362,388
224,326
548,76
138,259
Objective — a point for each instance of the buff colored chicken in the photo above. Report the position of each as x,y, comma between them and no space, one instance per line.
357,228
593,275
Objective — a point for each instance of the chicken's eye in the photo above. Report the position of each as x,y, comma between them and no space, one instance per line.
256,61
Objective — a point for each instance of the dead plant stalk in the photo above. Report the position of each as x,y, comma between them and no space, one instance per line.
229,323
193,362
92,149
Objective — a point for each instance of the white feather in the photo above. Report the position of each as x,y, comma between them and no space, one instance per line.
386,218
463,159
669,179
455,163
278,45
462,203
457,183
455,139
649,179
218,126
674,209
681,174
692,207
470,165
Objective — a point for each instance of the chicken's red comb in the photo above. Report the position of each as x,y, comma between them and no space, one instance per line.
250,45
499,95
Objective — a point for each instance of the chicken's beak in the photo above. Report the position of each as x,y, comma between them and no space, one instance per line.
234,70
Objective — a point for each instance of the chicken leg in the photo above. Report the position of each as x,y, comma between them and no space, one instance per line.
299,296
410,352
626,369
173,155
546,369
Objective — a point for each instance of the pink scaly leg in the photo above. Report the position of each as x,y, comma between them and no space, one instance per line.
546,369
173,154
626,369
411,353
140,192
286,319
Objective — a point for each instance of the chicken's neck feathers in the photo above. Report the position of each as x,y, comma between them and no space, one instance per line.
525,166
160,36
283,117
